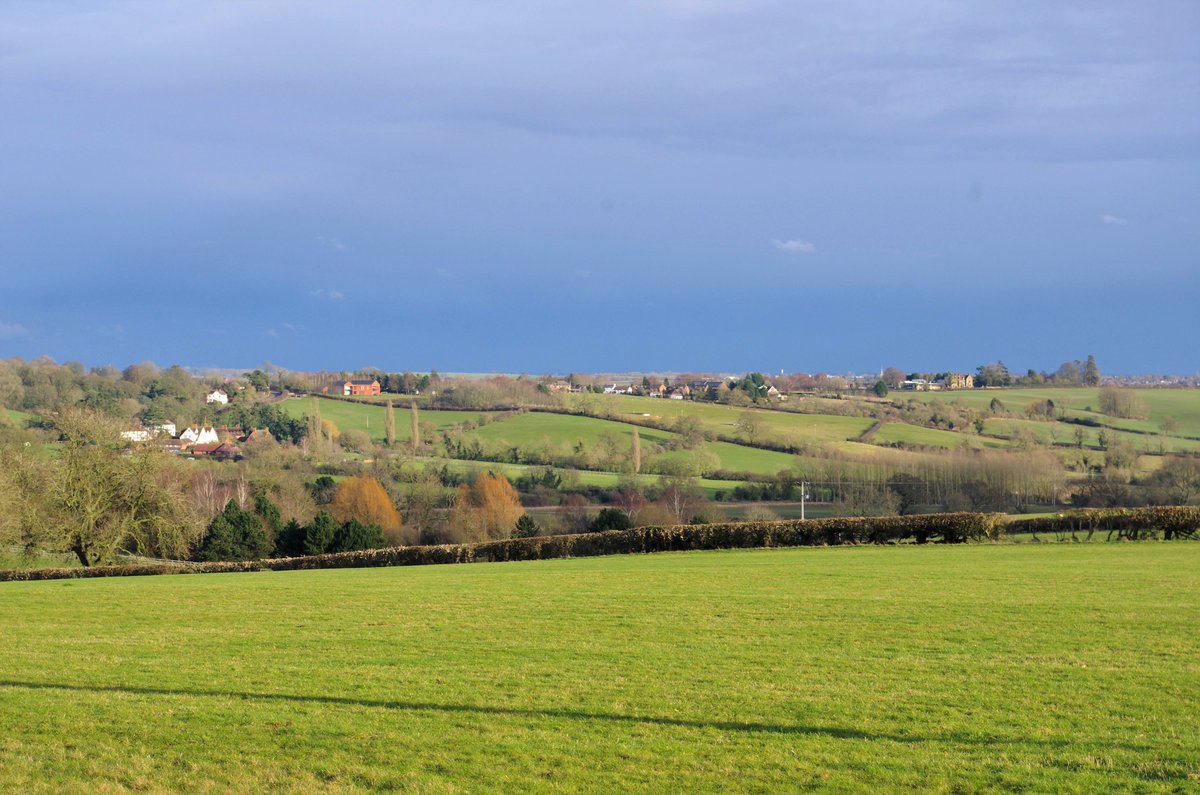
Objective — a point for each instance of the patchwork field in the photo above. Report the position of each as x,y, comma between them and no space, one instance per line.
368,417
718,418
1181,404
888,669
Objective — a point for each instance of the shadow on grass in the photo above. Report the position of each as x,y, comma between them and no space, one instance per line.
520,712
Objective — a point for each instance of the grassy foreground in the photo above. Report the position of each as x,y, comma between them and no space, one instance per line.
1071,668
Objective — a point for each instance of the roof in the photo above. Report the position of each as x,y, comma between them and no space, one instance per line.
364,383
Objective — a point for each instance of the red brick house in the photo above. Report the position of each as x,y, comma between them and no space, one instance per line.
361,387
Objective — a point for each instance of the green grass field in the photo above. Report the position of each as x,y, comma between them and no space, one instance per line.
1064,433
718,418
1181,404
18,419
583,477
942,669
365,417
930,437
535,428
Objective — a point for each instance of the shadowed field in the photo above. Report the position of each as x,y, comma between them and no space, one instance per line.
1060,667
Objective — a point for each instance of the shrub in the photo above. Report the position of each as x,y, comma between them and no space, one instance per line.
233,534
610,519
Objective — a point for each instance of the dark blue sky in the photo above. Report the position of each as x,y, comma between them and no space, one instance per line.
673,185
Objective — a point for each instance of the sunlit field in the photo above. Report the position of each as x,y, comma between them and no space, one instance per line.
1064,668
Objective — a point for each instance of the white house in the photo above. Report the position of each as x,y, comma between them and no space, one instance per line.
201,435
146,434
216,396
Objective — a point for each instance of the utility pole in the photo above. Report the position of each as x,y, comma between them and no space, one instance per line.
803,497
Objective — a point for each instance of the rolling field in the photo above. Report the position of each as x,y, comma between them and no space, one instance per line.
1064,433
364,417
930,437
19,419
584,477
792,426
947,669
1182,404
536,428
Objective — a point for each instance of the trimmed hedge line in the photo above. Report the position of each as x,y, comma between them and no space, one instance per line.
950,528
943,527
131,570
1134,524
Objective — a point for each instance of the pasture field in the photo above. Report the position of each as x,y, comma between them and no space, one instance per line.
1064,433
18,419
367,417
584,477
564,430
535,428
930,437
718,418
940,668
1181,404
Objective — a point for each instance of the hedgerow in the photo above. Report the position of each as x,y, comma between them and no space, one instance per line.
131,570
948,528
1133,524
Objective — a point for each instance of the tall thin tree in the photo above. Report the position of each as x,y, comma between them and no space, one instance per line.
415,428
389,423
316,433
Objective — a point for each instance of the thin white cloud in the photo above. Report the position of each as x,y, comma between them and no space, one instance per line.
583,273
795,246
11,331
272,333
1113,220
332,242
332,295
288,326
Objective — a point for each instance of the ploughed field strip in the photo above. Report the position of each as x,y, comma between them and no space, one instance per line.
1048,667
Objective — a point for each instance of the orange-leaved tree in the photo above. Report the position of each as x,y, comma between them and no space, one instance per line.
487,509
362,497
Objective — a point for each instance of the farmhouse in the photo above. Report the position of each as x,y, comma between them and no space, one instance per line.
259,436
225,451
217,396
197,434
361,387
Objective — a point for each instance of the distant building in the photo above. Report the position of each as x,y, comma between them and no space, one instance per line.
146,434
225,451
259,436
361,387
960,381
217,396
197,434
